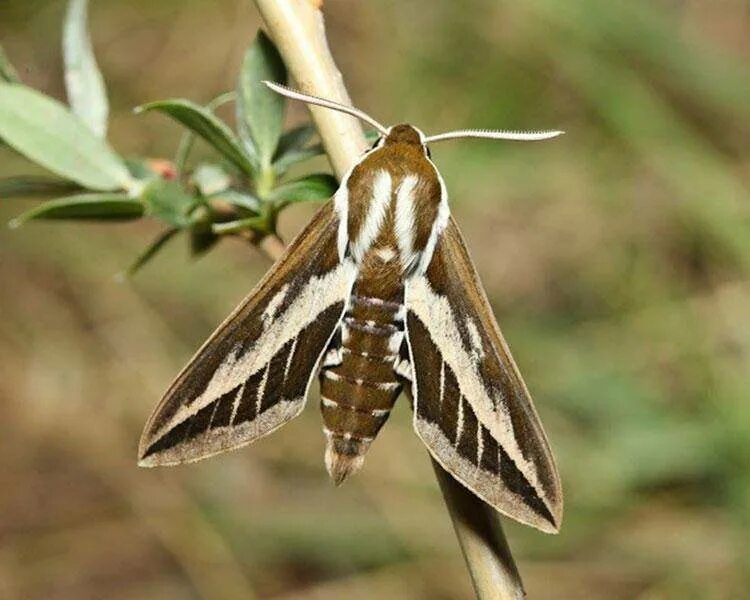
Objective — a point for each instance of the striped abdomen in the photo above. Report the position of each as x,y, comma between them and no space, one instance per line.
388,206
357,394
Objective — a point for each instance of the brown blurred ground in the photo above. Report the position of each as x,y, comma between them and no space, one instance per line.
616,258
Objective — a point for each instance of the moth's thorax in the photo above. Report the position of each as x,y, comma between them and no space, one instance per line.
391,203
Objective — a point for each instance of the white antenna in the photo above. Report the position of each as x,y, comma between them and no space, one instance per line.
521,136
350,110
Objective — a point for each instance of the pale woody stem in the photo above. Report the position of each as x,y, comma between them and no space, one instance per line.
297,28
271,246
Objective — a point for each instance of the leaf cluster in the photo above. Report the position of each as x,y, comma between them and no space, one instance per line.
240,193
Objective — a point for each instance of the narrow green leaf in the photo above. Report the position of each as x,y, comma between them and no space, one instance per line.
210,179
188,138
92,207
251,223
44,131
291,157
292,148
166,200
83,80
319,186
151,250
294,139
260,111
7,72
204,123
296,156
185,147
35,186
240,199
202,239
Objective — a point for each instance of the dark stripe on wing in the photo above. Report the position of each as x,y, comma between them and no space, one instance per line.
494,460
218,414
247,410
304,360
467,441
224,406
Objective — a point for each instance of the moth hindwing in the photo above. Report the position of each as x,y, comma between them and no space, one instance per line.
253,374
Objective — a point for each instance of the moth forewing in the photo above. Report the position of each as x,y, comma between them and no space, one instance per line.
253,373
471,406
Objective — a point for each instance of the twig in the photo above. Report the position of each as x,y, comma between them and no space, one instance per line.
298,29
299,32
272,247
482,540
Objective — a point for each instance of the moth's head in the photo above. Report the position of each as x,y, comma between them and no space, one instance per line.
404,133
408,134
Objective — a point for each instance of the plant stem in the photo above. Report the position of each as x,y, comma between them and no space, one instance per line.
272,247
298,29
480,533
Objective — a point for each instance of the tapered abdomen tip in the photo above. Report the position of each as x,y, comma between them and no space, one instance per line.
344,457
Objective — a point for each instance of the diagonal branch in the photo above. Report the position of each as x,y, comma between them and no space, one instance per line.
298,30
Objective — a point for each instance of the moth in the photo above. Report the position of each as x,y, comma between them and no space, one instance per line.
377,295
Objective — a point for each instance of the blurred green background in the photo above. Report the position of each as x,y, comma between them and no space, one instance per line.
616,259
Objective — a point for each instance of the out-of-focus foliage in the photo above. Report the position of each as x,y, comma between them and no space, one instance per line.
83,80
203,201
616,258
45,132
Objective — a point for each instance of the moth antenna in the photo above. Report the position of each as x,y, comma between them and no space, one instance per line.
350,110
521,136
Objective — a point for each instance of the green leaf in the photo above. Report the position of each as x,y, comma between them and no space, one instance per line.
202,239
188,138
296,156
251,223
292,148
204,123
151,250
319,186
44,131
166,200
83,80
294,139
260,111
239,199
35,186
210,179
92,207
7,72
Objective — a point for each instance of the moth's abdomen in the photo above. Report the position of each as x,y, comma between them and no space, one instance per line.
358,394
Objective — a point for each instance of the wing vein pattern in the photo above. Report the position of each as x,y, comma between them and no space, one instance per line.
471,407
253,373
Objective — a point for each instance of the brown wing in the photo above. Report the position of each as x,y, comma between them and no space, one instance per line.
471,407
252,374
